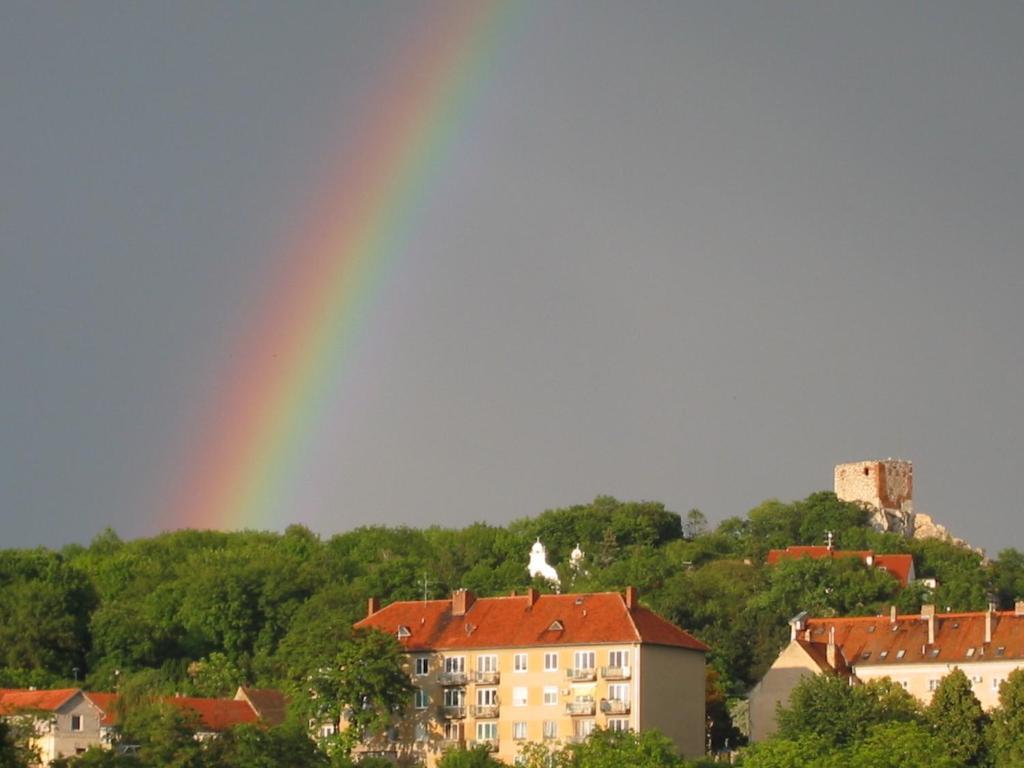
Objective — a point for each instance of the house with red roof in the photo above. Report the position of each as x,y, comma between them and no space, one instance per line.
900,566
504,671
69,721
916,651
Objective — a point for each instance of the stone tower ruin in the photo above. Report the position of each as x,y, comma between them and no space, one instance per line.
886,488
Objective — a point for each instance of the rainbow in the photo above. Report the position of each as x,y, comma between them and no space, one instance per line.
294,359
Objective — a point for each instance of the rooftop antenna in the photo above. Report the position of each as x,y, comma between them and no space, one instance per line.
426,586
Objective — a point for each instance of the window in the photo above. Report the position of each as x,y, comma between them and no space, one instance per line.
618,659
453,730
550,729
454,697
519,662
901,653
403,631
970,652
455,664
933,684
618,692
519,696
550,662
487,663
582,728
1001,650
421,732
76,722
977,679
550,695
618,724
583,659
422,665
883,654
519,730
486,731
996,682
420,698
487,697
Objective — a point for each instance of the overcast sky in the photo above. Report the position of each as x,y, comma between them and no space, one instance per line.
690,252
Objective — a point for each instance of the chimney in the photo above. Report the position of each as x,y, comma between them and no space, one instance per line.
531,596
372,606
830,649
462,601
989,622
1018,608
928,613
892,614
797,624
632,598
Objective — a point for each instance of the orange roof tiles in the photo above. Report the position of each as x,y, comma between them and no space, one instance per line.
900,566
216,714
526,620
14,699
959,638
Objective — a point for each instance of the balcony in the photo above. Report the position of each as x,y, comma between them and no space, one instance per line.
581,675
490,744
447,744
487,678
485,710
580,707
453,678
614,707
616,673
453,712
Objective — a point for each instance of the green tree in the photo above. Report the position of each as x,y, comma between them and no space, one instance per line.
898,745
806,751
613,749
479,757
1007,730
828,707
249,746
369,681
957,719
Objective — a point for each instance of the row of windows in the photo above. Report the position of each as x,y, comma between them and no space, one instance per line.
520,662
521,729
488,697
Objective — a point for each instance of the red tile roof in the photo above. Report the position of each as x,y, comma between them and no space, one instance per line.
14,699
215,714
270,705
959,638
107,704
524,621
900,566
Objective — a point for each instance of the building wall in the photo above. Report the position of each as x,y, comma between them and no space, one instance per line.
58,739
885,484
792,665
670,695
672,684
920,680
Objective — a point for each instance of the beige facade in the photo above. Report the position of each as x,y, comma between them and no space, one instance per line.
544,691
67,729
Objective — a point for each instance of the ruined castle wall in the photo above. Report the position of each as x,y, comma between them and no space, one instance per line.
885,484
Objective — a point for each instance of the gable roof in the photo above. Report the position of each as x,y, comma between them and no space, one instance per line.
899,565
526,620
270,705
874,641
16,699
215,714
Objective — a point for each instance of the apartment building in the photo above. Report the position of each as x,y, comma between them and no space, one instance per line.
915,651
504,671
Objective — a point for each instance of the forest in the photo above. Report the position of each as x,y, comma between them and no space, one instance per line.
200,612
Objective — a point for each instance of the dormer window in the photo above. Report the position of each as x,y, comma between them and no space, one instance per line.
1001,650
865,656
556,626
901,653
970,652
403,632
933,652
883,654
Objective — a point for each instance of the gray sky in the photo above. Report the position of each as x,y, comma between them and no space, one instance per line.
690,252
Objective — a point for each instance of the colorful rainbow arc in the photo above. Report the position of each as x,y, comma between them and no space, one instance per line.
295,355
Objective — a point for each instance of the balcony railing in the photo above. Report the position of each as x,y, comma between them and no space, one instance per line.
614,706
485,710
580,707
488,678
453,678
490,744
453,711
616,673
447,744
581,675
